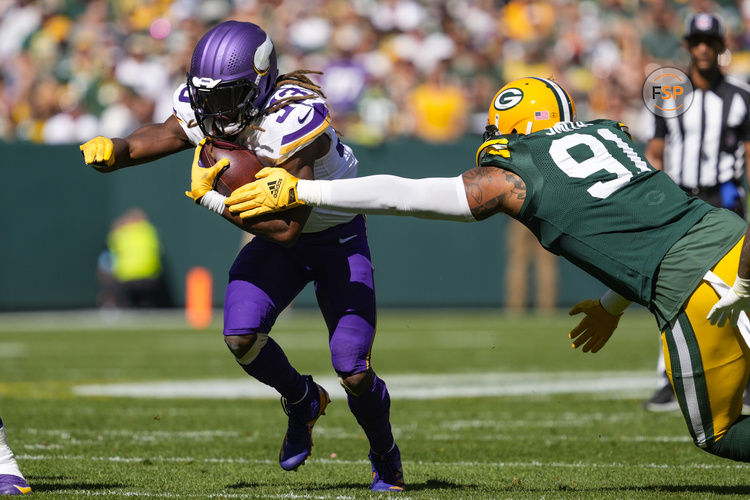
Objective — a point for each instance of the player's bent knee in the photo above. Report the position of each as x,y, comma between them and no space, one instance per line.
725,449
358,383
735,444
246,347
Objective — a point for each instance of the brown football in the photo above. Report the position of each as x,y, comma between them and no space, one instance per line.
243,164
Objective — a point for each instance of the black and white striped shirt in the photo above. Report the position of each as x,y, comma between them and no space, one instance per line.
705,145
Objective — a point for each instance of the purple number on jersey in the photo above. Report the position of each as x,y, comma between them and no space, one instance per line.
184,96
288,108
284,113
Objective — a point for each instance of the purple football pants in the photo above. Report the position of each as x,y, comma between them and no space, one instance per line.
265,278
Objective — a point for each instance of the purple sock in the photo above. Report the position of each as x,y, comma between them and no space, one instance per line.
272,368
372,411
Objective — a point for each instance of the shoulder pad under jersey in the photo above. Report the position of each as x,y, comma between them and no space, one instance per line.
610,123
497,147
185,115
292,126
625,129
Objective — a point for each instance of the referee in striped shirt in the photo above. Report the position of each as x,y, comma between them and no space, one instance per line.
703,150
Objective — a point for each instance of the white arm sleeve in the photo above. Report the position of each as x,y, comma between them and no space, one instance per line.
614,303
432,198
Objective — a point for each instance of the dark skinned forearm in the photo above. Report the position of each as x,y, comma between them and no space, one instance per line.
148,143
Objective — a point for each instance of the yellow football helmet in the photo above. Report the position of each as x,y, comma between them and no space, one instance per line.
530,104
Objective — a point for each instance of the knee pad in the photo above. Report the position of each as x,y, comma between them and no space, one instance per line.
363,386
259,340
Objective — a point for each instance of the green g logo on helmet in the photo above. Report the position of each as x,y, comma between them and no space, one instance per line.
508,98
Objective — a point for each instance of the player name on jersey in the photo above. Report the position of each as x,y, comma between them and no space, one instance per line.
562,127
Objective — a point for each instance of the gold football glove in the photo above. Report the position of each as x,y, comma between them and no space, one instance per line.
202,179
274,191
595,328
98,152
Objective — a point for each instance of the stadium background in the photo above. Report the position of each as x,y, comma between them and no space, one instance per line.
408,83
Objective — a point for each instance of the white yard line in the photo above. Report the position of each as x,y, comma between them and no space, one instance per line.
419,386
12,349
71,436
84,320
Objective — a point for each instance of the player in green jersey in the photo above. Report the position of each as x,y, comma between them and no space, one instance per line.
587,195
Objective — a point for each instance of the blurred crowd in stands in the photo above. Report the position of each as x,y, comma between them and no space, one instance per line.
73,69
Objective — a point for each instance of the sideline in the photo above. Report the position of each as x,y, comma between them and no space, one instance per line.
404,386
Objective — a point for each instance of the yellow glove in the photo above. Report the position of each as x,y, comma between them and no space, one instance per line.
202,179
595,328
98,152
274,191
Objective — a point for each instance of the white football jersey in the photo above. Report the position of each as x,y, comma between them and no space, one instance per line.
283,133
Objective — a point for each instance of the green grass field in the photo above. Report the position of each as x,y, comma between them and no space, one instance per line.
484,406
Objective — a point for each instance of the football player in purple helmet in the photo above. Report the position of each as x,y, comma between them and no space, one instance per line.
227,83
233,92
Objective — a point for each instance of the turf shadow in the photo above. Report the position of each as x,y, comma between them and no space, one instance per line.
436,484
275,484
38,486
742,490
430,484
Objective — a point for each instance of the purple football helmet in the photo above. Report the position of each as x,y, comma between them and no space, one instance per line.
231,75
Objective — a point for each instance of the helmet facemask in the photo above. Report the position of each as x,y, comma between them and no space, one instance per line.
490,132
223,110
